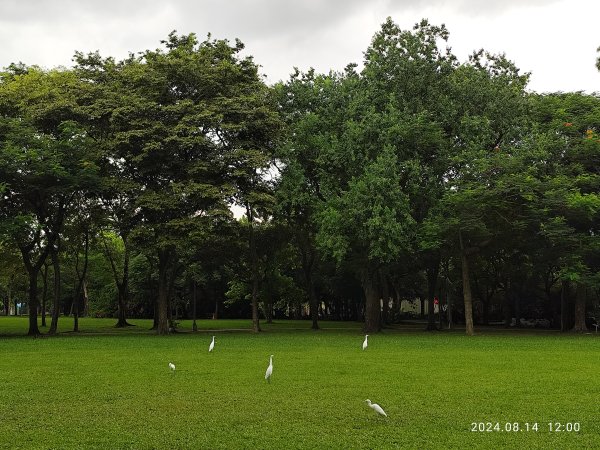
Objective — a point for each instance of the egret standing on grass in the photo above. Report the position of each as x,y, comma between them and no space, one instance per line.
269,371
212,345
375,407
172,367
365,342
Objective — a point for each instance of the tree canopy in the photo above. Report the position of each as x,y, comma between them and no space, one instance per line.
417,177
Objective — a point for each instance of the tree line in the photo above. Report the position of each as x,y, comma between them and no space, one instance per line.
417,176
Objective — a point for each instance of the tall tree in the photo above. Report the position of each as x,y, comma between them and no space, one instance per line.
195,115
46,158
566,130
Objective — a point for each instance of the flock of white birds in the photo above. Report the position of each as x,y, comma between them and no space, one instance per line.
269,373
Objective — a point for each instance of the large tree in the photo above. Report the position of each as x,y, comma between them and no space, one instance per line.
46,159
566,131
193,118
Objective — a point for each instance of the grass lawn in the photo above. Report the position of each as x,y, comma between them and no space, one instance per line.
111,389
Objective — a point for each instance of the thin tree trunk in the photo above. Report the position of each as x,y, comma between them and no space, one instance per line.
307,268
255,274
385,295
33,303
80,279
33,268
123,288
8,298
468,299
507,304
86,299
54,253
121,280
162,306
44,294
580,300
432,276
564,306
450,310
194,324
517,303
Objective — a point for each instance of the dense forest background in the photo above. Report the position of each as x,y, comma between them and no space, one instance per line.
418,176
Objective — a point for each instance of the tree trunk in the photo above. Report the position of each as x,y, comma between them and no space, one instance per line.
507,304
44,294
194,324
449,314
56,300
162,306
580,300
8,299
33,303
517,305
255,318
372,303
216,313
385,296
432,276
255,271
307,268
171,278
80,280
564,306
268,305
123,288
314,306
76,313
468,299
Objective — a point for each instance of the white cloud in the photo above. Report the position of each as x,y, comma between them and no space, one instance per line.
554,39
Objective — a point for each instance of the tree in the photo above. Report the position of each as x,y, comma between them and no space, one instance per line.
195,116
46,159
566,129
298,192
11,270
487,124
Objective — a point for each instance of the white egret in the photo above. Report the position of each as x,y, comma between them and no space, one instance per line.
212,345
269,371
172,367
365,342
375,407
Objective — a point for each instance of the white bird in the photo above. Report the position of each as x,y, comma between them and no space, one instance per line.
269,371
172,367
212,345
375,407
365,342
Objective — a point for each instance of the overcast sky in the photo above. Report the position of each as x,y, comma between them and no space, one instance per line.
556,40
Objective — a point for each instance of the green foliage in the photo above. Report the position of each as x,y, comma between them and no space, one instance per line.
378,170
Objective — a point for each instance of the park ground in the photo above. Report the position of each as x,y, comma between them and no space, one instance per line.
111,388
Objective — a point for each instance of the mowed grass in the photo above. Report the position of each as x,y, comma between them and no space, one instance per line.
115,390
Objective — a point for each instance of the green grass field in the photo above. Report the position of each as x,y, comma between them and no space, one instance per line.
110,389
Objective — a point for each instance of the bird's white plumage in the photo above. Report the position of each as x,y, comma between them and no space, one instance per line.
365,342
172,366
269,371
212,345
375,407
